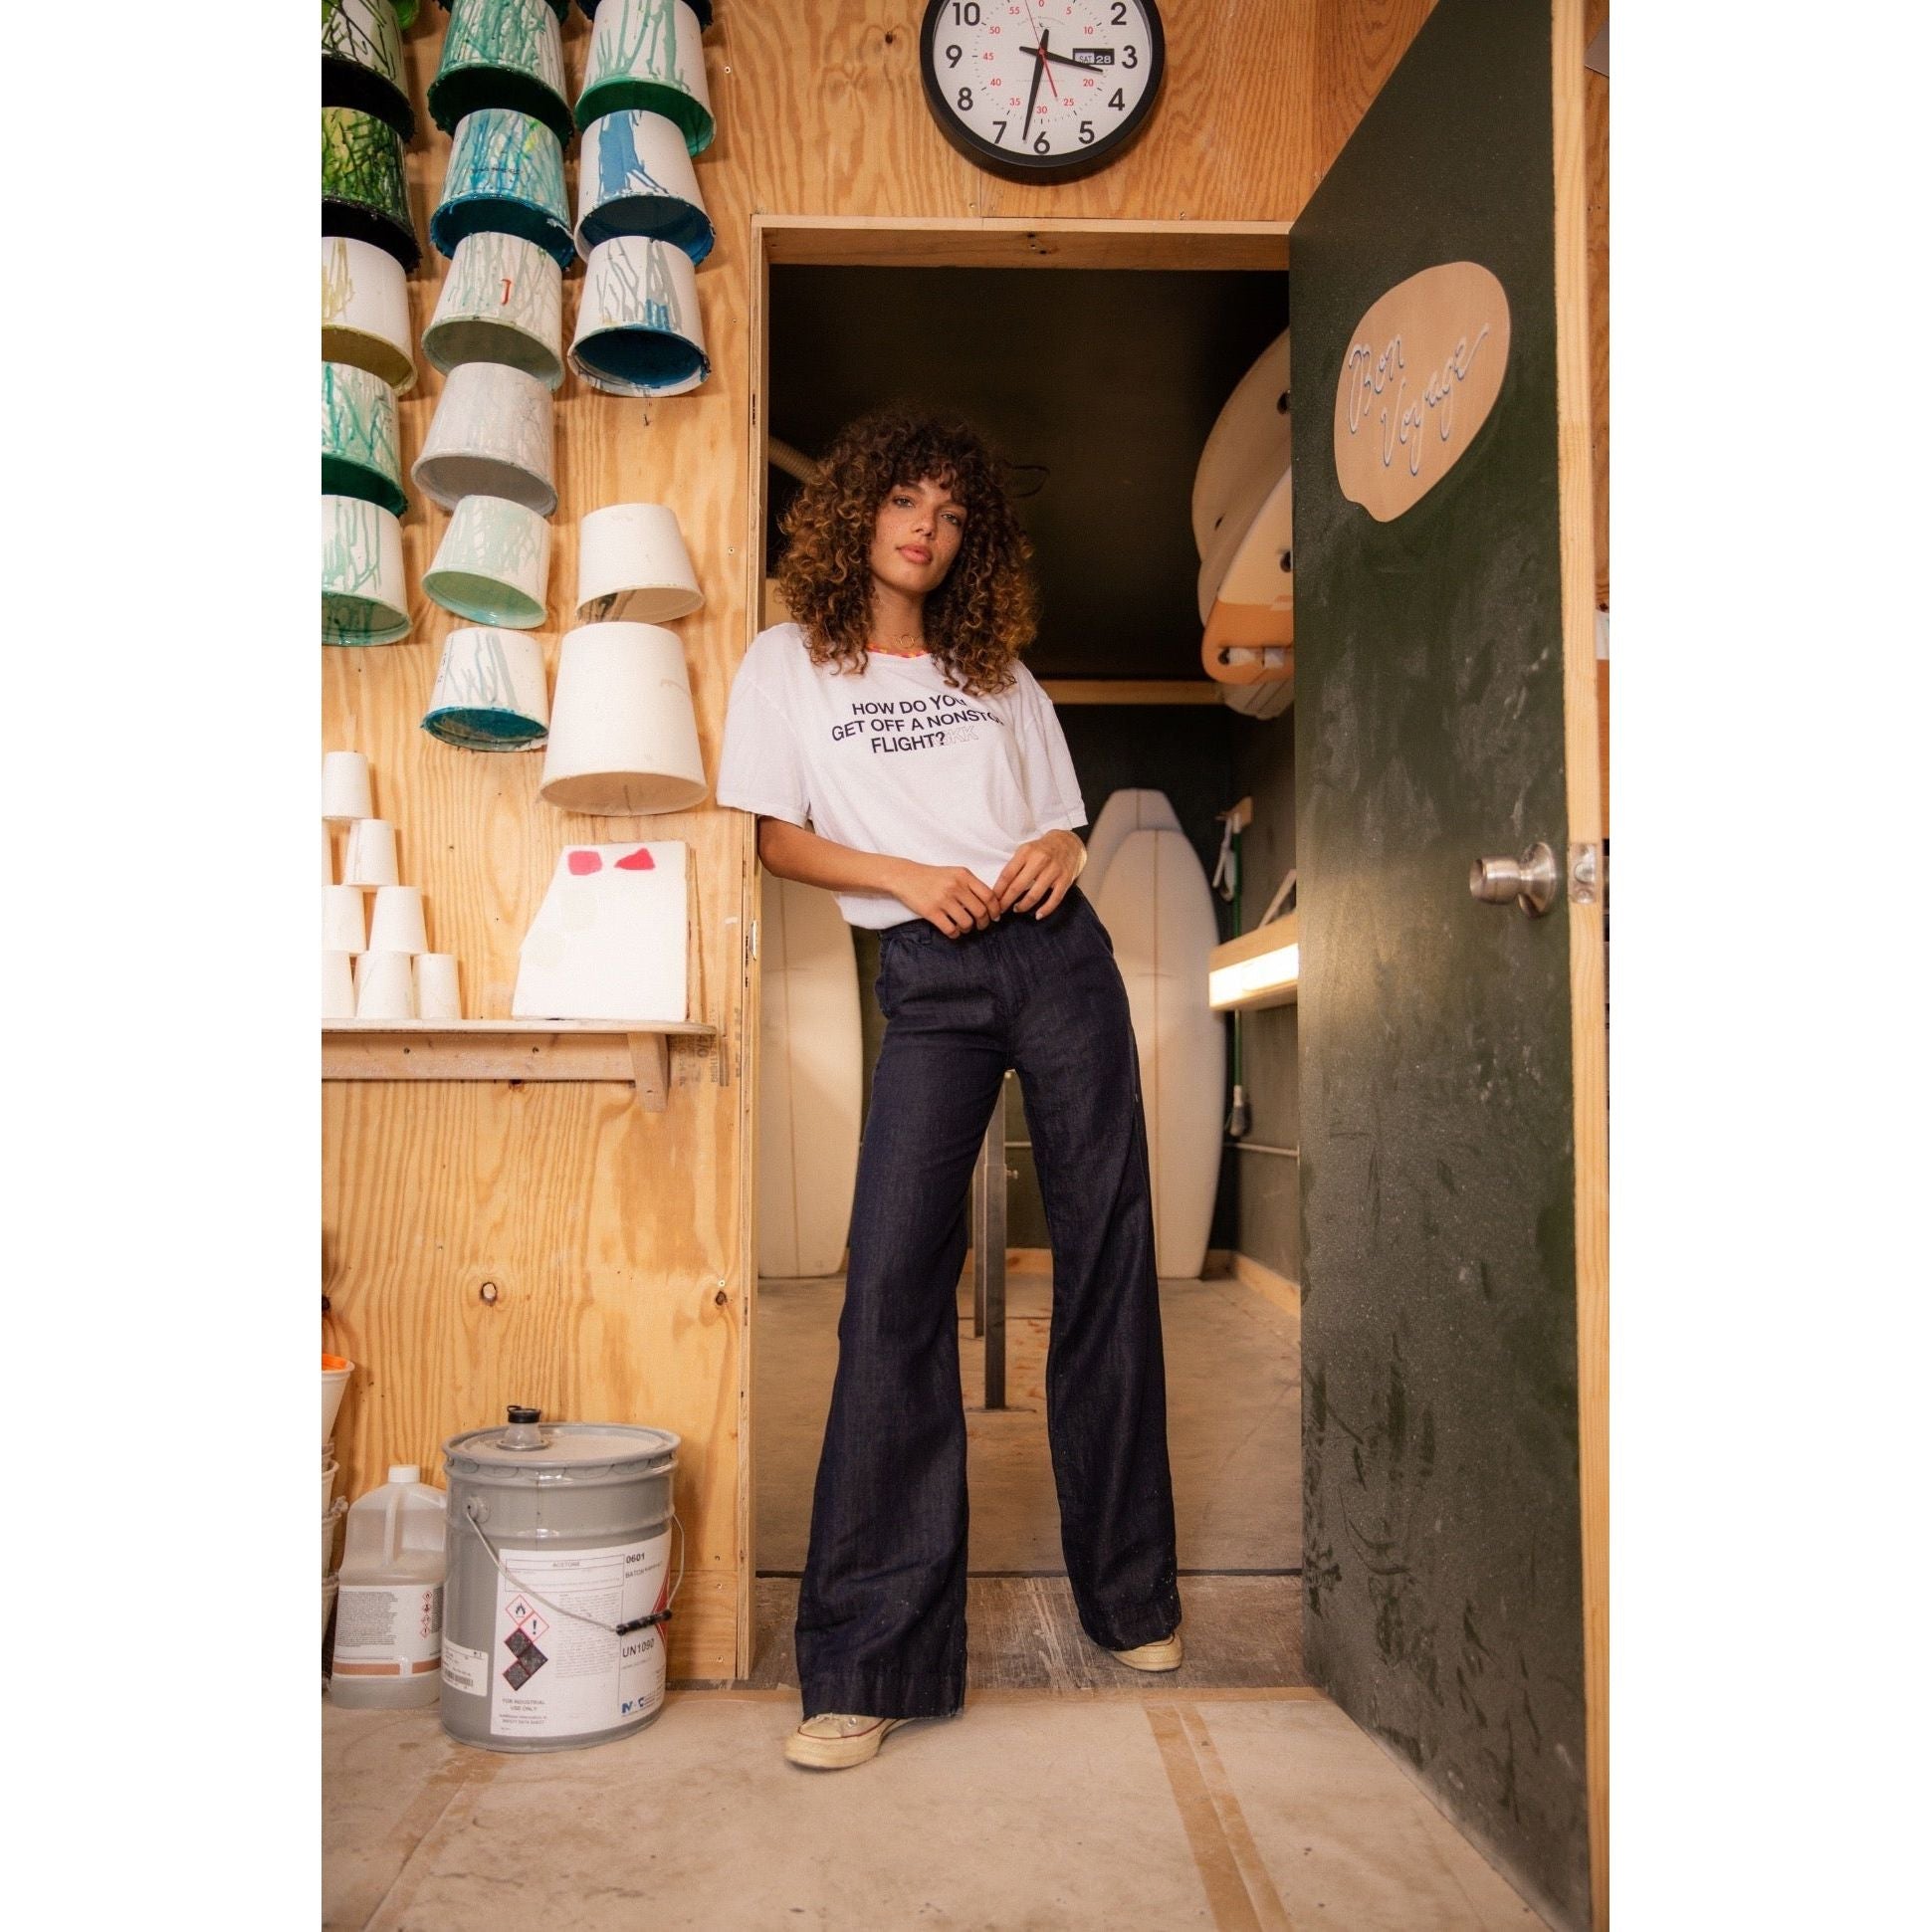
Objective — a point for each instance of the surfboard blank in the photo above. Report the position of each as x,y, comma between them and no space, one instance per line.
1125,811
1156,903
810,1080
1249,439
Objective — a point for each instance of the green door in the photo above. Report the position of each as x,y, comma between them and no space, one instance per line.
1454,1142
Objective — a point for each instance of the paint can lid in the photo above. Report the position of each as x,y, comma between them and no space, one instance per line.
574,1446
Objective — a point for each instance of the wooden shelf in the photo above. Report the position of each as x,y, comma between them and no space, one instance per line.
638,1051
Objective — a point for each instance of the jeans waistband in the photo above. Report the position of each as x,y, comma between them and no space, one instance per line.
923,930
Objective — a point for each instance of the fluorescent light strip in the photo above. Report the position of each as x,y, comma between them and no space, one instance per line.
1266,973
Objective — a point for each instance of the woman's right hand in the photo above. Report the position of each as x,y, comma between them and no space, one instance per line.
954,899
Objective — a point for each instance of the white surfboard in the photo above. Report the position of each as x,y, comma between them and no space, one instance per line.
1243,565
1125,811
1260,700
1157,905
1249,438
810,1080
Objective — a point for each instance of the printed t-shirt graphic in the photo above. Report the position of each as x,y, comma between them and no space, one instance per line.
895,761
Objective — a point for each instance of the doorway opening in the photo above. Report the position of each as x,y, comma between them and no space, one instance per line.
1096,357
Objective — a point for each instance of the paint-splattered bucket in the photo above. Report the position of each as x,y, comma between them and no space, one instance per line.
489,694
558,1581
502,53
364,192
505,174
361,61
361,449
647,54
640,330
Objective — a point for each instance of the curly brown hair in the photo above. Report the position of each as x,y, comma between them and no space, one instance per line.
984,613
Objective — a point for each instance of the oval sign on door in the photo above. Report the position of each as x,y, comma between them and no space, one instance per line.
1422,372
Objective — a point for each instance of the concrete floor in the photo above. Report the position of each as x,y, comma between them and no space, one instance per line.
1071,1794
1230,1809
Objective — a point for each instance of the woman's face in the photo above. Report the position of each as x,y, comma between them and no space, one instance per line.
916,536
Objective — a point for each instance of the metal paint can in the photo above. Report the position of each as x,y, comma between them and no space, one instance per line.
559,1578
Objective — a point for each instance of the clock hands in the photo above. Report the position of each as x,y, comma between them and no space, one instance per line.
1044,58
1039,67
1032,94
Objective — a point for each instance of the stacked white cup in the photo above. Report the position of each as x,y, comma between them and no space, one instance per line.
376,963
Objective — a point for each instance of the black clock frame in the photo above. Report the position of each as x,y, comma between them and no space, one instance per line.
1015,165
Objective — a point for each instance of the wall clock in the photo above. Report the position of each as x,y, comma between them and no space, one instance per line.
1041,90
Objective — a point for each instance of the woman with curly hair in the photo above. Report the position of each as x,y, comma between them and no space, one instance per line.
895,719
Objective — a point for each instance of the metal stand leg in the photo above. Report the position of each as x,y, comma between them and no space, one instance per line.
990,1176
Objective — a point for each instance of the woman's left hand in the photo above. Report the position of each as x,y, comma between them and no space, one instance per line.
1037,876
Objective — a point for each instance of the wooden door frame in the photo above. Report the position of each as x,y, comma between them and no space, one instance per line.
838,241
966,242
1584,804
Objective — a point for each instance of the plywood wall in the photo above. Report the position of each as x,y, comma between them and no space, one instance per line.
554,1244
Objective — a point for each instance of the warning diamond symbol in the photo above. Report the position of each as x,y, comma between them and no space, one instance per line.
526,1658
534,1624
519,1610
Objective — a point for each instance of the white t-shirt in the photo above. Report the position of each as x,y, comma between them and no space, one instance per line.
895,761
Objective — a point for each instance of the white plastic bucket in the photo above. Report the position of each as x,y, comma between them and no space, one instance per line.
623,735
634,566
331,1517
336,1371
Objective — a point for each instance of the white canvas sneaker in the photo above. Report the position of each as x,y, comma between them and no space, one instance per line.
1163,1654
837,1740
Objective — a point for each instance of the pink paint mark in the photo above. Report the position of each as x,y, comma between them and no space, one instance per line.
638,861
583,862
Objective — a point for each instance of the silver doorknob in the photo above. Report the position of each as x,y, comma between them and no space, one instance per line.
1532,881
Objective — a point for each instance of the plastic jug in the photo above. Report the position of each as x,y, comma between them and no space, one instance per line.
389,1610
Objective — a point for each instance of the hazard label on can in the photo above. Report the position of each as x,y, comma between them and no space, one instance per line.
557,1667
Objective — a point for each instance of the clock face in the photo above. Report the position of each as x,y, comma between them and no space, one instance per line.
1041,90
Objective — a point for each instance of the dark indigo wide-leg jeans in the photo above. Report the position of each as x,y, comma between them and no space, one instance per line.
881,1623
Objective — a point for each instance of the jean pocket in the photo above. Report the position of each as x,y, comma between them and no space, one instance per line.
883,990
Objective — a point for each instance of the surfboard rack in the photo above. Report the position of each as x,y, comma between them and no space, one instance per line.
635,1051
